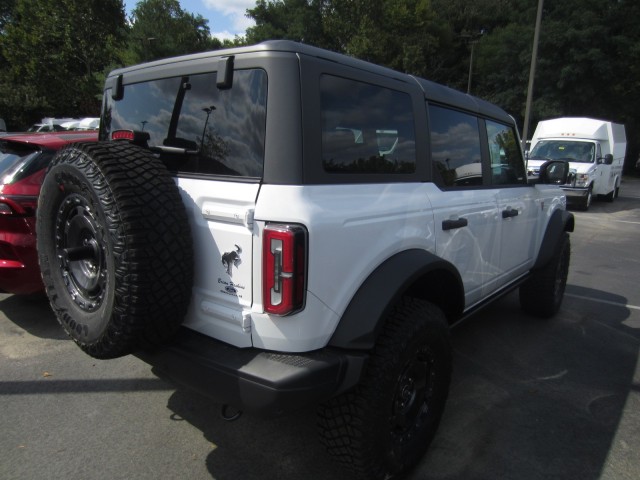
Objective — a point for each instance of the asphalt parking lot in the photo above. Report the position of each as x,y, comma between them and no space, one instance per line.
530,399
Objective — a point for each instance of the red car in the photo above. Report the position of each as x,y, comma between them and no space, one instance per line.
23,162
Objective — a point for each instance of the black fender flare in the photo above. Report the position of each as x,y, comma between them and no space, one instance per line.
561,221
413,272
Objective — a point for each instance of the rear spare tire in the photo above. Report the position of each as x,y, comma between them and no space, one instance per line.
114,247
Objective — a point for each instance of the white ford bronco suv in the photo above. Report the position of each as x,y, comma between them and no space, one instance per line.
279,225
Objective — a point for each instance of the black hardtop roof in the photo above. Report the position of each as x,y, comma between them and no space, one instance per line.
433,92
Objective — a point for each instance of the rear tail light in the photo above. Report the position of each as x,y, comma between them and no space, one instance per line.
284,268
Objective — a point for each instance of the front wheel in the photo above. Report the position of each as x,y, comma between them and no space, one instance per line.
382,428
541,295
586,203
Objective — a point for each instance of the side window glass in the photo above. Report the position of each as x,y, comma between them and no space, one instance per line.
455,148
507,165
196,127
366,128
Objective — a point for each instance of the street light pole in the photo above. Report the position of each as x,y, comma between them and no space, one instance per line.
532,74
208,111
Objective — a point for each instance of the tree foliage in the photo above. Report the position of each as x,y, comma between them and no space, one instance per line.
588,59
401,34
54,52
161,28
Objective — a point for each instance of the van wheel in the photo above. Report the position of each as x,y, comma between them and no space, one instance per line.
586,203
541,295
383,427
611,196
114,247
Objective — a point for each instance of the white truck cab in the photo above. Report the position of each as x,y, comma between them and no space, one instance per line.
595,150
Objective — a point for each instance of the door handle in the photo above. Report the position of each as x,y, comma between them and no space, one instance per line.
451,224
509,213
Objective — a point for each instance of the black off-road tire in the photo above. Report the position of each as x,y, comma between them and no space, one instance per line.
541,295
114,247
381,429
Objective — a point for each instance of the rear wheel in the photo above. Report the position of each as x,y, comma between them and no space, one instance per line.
541,295
382,428
114,247
611,196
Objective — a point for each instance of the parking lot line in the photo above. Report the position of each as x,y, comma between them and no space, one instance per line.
598,300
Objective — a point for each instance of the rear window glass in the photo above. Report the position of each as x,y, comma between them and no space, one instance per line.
199,128
366,128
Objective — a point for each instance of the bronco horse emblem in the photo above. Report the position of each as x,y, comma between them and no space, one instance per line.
231,259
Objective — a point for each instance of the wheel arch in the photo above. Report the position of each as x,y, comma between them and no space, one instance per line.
561,221
415,273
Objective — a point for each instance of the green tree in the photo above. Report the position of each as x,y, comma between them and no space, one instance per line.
588,53
298,20
161,28
401,34
6,12
55,53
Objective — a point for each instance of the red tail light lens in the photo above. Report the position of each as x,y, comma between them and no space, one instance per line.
284,268
122,135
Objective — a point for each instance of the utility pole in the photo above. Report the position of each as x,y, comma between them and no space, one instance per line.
532,74
472,39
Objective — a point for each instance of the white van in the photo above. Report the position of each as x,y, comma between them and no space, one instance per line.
594,148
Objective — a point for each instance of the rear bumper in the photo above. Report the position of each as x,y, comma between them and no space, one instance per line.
263,382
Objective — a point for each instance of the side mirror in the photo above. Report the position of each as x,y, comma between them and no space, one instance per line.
608,159
554,172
